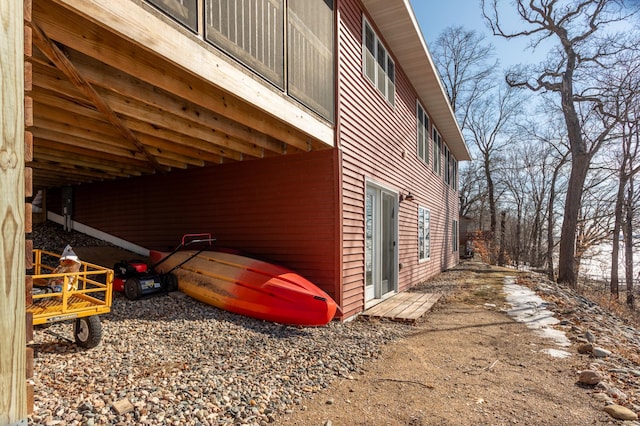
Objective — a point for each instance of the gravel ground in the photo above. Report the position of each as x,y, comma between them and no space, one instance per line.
169,359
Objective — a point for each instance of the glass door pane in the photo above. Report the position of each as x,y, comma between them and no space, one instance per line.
369,244
387,242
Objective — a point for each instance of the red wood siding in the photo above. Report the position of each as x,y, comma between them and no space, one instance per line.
283,209
378,142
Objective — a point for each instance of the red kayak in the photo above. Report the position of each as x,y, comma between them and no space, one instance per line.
248,287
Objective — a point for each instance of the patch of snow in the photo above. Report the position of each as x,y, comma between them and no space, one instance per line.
529,308
556,353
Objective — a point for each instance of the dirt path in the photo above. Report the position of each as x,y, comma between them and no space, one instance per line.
468,363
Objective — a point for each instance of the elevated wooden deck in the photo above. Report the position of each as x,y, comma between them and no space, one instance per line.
405,307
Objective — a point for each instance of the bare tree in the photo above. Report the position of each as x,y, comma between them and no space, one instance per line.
472,189
463,61
578,28
596,215
514,178
488,126
626,100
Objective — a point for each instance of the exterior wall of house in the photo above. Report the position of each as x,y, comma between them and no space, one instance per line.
282,209
378,142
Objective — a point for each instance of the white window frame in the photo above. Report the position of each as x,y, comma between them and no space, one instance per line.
422,133
446,175
377,65
424,233
454,173
437,152
455,242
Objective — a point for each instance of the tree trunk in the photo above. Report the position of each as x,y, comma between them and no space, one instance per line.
580,161
503,233
628,237
492,200
617,225
518,235
566,262
551,222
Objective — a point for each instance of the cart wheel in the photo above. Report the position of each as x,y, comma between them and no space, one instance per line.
171,282
87,331
132,288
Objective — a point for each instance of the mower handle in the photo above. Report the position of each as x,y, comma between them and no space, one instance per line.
184,244
205,240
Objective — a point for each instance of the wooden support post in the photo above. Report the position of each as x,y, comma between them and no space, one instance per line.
13,389
28,192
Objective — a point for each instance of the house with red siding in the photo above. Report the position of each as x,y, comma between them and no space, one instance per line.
315,134
312,133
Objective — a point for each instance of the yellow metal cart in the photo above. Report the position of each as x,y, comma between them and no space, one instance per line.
82,296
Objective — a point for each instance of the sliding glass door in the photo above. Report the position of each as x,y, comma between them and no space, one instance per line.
380,242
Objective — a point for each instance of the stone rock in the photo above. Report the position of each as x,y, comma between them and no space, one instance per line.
585,348
589,336
602,397
617,394
589,377
123,406
601,352
619,412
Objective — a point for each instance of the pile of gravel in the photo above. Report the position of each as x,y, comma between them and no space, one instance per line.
50,236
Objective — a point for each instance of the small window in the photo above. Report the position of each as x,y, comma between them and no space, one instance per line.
454,173
454,234
423,134
424,234
447,166
377,65
437,152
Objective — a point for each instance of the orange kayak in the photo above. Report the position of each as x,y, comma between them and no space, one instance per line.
249,287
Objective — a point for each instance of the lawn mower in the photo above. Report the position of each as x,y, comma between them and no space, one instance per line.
136,278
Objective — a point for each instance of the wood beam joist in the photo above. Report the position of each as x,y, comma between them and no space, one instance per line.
86,162
208,140
90,39
190,151
113,148
48,77
101,75
46,122
66,121
109,153
72,172
51,50
107,161
184,140
194,136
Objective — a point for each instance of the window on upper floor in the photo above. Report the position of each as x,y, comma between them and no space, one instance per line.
454,173
423,133
377,65
424,233
183,11
253,32
451,171
310,55
437,152
447,165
